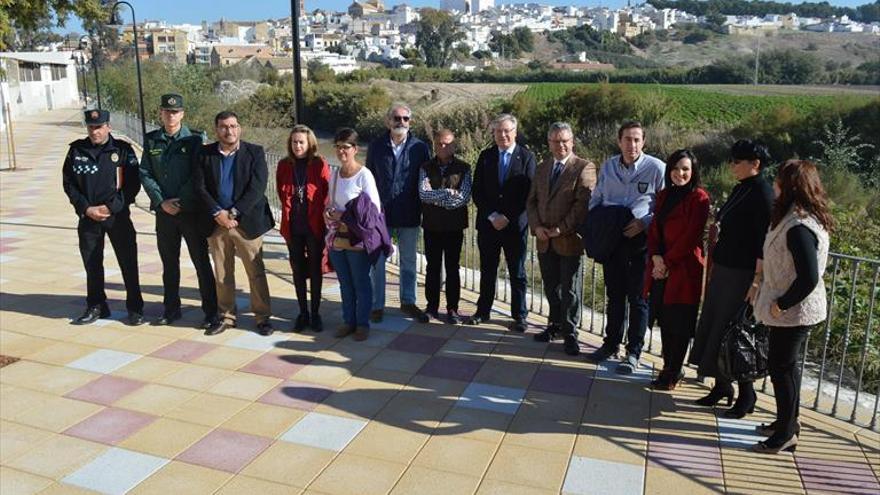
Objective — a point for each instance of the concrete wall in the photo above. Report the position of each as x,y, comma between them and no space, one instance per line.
31,97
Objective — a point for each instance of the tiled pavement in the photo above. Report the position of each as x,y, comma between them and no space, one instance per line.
415,409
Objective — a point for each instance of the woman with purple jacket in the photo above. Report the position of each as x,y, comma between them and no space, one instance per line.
356,234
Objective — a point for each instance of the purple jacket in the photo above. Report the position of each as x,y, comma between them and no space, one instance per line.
366,224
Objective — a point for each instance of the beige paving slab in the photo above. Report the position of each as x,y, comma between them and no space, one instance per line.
264,420
424,481
386,442
48,378
498,487
350,474
17,439
180,477
207,409
456,455
165,437
14,482
289,464
57,456
245,485
155,399
148,369
516,464
194,377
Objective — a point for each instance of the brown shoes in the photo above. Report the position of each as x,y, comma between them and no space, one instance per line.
343,331
361,333
376,316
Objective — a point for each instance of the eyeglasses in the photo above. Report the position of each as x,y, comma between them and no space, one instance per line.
343,147
228,127
401,118
560,141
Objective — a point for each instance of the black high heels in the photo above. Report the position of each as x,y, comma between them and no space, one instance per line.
745,403
715,395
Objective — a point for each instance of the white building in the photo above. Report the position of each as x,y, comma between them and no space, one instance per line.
467,6
37,82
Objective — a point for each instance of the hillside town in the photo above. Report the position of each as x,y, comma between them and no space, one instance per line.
368,32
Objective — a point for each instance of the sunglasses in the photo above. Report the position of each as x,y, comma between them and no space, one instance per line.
401,118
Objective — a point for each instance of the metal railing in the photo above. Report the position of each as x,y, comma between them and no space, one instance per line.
836,365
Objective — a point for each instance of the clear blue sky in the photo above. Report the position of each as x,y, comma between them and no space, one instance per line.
194,11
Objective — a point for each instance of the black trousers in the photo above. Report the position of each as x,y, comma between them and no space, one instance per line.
124,241
786,345
563,286
624,281
443,248
170,229
490,242
306,253
677,325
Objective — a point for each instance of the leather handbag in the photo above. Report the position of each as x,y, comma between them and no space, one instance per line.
745,346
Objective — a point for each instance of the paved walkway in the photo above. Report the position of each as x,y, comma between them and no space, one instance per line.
416,409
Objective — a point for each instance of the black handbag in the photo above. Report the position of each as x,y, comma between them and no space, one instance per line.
745,347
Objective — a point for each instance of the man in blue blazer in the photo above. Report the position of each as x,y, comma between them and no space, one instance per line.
231,179
502,180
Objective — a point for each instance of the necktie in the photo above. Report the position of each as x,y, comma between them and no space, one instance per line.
554,175
502,169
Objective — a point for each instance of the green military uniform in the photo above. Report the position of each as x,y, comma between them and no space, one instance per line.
166,173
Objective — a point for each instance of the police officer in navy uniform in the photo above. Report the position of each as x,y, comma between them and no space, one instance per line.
166,173
100,176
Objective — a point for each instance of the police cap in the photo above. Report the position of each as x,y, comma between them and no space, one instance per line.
97,117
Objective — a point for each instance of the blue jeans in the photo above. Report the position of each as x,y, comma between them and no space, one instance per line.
408,238
353,271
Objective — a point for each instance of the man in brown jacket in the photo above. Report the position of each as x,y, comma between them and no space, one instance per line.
557,204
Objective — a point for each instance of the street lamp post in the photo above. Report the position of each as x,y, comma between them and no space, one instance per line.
297,64
137,60
94,42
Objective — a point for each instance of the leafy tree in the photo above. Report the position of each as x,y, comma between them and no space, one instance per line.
505,44
437,33
524,38
320,72
32,15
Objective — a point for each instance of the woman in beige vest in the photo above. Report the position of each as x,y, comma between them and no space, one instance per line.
791,298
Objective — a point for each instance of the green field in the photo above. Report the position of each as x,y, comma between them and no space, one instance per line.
717,106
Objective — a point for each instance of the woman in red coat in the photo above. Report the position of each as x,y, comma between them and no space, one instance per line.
675,261
303,181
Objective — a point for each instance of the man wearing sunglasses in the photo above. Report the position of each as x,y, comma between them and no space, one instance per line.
394,159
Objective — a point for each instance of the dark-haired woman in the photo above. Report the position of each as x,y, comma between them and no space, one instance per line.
734,270
357,234
674,278
302,180
792,295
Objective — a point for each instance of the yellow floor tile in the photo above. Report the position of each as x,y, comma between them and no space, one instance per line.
16,401
389,443
16,439
420,413
246,386
102,337
659,479
506,373
423,481
23,345
179,477
60,354
332,376
544,434
48,378
289,464
515,464
58,456
165,437
14,482
456,455
65,489
476,424
148,369
264,420
355,475
619,444
245,485
57,414
155,399
207,409
497,487
356,403
393,360
229,358
141,343
194,377
552,406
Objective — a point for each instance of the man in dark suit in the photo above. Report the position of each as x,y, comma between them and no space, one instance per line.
231,179
502,180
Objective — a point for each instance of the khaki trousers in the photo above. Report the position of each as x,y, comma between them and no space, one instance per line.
225,245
